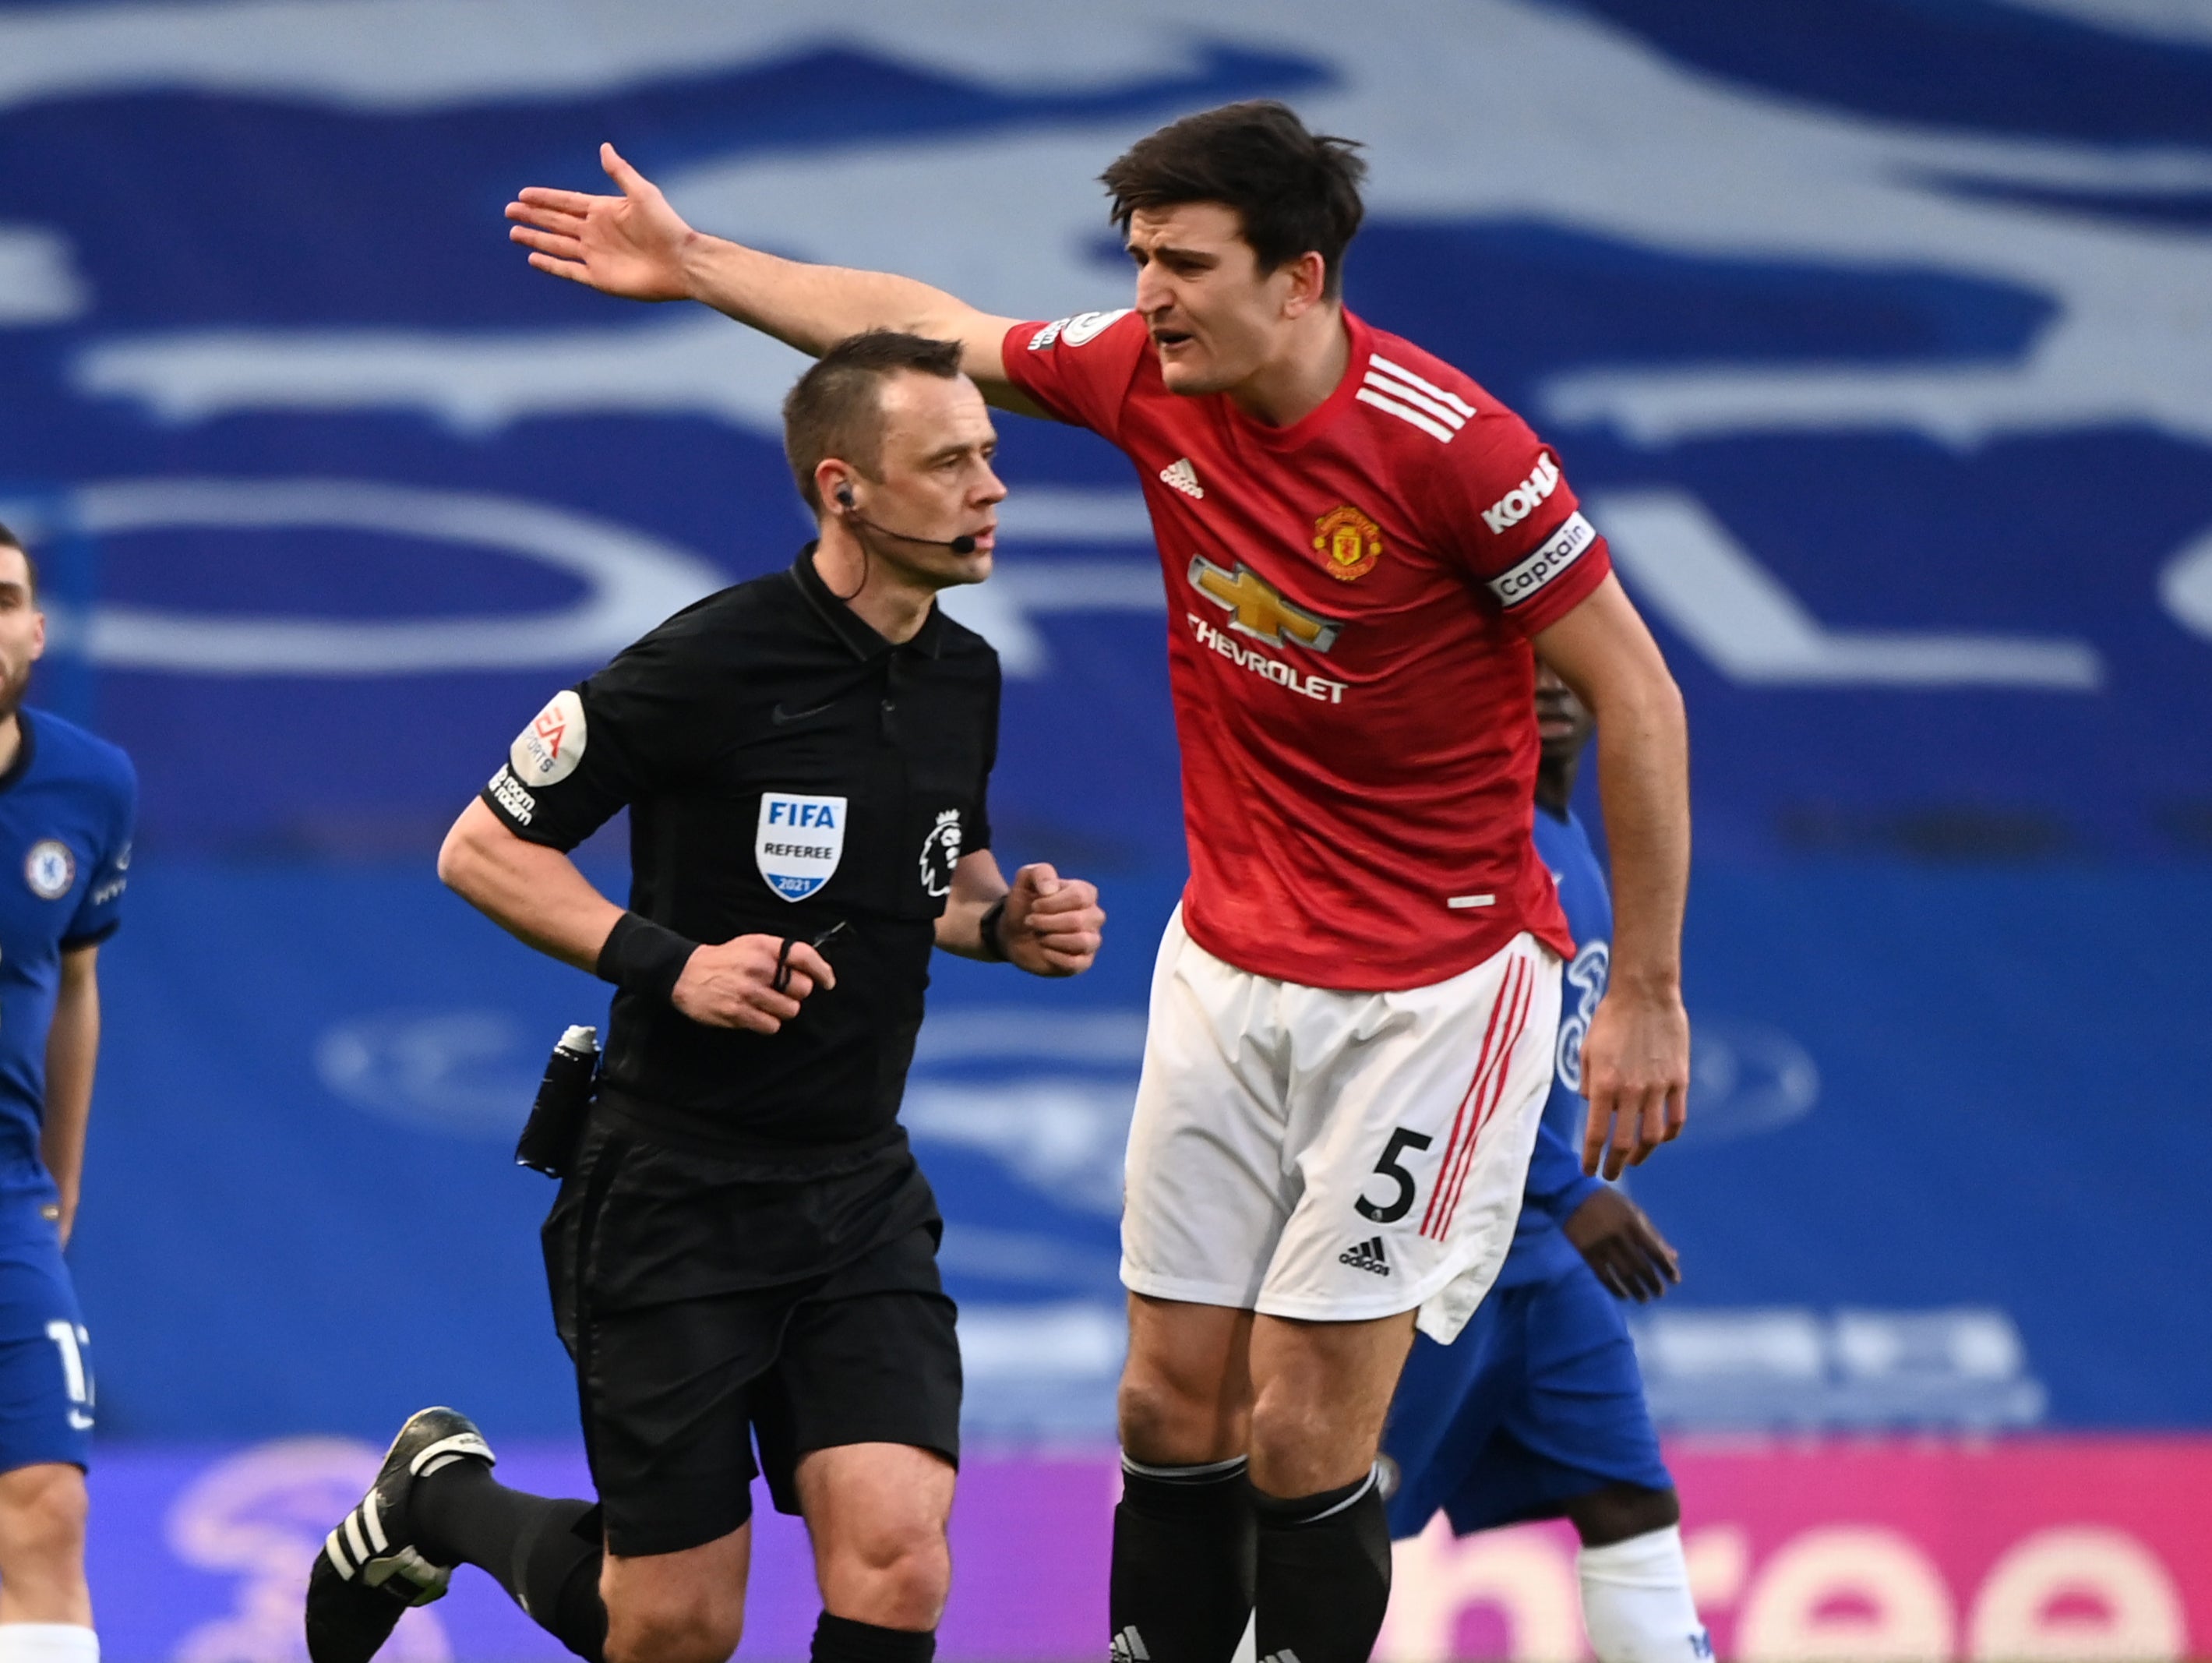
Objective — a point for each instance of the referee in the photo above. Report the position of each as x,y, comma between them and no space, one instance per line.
743,1249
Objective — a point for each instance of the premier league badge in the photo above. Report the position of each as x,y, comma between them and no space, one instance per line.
940,853
799,842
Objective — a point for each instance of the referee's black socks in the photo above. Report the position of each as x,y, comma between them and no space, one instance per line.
545,1553
1181,1585
1324,1573
842,1640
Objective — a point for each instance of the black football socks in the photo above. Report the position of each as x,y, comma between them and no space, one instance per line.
545,1553
841,1639
1181,1585
1324,1573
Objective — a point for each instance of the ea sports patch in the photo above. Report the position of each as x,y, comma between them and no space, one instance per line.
1347,542
1085,328
799,842
50,868
547,752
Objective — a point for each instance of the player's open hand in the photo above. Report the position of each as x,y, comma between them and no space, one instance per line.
734,985
1624,1247
631,245
1051,925
1636,1073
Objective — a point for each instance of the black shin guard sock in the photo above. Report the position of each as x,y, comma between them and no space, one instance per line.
545,1552
560,1582
1324,1580
841,1640
1181,1586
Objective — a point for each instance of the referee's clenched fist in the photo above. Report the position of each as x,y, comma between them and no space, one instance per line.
1052,924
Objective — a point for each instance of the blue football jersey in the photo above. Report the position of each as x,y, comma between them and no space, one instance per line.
1556,1184
1565,849
67,803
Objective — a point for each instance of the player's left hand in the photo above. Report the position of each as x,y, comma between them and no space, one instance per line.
1051,925
1624,1247
1636,1073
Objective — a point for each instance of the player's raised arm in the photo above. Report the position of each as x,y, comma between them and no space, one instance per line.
636,245
1636,1057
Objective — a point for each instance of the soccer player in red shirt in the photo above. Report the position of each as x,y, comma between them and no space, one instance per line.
1352,1011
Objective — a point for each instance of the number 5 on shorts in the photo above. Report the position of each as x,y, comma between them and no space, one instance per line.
1402,1204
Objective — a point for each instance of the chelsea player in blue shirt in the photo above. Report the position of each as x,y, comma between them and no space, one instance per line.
66,804
1537,1409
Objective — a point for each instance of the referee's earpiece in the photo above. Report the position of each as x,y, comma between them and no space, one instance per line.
844,495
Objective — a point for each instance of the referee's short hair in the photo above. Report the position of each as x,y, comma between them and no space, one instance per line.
1295,191
9,541
837,408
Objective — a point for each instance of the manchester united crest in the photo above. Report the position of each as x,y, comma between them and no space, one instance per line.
1347,543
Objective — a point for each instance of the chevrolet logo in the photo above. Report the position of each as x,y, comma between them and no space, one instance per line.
1257,608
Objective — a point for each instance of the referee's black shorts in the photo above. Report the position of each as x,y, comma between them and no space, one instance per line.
680,1374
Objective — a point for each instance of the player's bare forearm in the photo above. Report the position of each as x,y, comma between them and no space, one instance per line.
1603,652
1643,776
813,307
636,245
534,893
1635,1056
72,1055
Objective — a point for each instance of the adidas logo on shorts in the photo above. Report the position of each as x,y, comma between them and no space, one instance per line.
1129,1646
1183,477
1366,1256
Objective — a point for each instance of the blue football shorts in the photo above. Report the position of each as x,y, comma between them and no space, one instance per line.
1537,1401
45,1355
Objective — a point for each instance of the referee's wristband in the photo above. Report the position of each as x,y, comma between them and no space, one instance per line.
993,915
643,957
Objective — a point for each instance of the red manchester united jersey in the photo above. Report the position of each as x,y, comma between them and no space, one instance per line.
1349,604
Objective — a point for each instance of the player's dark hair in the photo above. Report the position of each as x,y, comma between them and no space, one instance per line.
1295,191
9,541
837,408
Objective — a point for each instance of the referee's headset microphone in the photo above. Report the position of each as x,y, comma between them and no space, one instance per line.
963,545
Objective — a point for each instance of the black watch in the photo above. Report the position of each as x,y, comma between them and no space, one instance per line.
993,915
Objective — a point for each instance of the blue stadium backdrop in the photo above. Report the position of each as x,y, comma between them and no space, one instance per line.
1892,385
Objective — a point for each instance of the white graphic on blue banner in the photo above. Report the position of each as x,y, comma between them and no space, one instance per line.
630,581
1716,167
257,1519
466,1073
1721,1368
799,842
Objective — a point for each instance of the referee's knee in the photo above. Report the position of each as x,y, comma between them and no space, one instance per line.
706,1630
893,1579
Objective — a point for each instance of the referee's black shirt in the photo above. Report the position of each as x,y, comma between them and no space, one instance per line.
768,707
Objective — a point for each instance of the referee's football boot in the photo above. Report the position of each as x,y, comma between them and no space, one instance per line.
370,1570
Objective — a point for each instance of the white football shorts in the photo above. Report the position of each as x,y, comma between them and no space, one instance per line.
1332,1156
